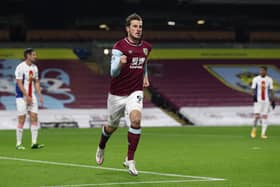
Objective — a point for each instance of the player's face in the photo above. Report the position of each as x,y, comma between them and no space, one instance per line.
32,57
262,72
134,30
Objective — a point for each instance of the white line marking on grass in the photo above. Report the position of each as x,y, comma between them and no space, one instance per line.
129,183
196,178
256,148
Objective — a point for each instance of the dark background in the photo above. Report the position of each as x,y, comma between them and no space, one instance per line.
239,16
88,14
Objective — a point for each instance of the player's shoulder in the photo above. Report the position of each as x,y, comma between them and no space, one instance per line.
119,44
20,65
269,78
34,66
257,77
147,44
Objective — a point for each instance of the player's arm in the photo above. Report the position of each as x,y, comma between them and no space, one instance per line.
38,90
21,87
146,82
254,87
19,76
271,98
117,60
271,94
23,91
271,91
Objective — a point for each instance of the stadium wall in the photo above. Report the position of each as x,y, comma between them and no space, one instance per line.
238,115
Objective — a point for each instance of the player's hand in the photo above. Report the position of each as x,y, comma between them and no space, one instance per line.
255,98
123,59
146,82
273,104
28,100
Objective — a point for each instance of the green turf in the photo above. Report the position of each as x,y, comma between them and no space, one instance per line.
219,152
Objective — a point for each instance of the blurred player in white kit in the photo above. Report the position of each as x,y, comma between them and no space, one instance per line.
27,81
262,87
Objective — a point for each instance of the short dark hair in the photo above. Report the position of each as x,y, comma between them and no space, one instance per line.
27,51
131,17
264,67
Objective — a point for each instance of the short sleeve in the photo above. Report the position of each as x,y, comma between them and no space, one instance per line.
36,73
271,84
118,46
19,73
253,86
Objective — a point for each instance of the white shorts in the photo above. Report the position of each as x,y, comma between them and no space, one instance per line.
120,106
23,108
262,108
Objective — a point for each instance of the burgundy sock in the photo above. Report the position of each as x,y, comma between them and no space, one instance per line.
104,138
133,137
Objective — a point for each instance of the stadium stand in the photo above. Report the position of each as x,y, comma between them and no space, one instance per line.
66,84
186,83
265,36
161,35
4,35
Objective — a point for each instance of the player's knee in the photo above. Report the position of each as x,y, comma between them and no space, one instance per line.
135,118
21,121
110,129
135,122
264,117
257,116
33,118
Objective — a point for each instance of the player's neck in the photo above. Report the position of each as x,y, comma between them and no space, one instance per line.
133,41
28,62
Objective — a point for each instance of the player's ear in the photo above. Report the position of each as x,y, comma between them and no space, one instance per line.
127,28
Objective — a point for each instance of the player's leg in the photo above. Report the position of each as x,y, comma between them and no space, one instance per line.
106,133
264,116
21,110
134,109
264,127
133,137
115,105
19,132
34,125
254,129
134,133
34,128
257,118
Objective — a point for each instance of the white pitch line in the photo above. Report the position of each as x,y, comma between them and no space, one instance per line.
129,183
256,148
108,168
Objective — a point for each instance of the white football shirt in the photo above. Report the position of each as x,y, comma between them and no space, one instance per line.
262,87
26,73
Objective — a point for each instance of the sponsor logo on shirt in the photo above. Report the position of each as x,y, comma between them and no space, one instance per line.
137,62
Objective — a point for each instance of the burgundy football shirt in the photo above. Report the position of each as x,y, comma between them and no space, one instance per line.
131,74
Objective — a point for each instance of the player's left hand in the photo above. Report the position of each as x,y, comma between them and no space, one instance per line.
146,82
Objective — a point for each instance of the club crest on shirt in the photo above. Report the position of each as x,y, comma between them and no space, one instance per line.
145,50
139,99
130,52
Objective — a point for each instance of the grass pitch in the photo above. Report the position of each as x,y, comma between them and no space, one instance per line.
177,157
